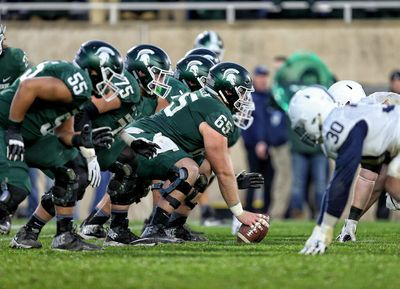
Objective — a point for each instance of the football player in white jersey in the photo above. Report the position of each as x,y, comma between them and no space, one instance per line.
347,134
368,185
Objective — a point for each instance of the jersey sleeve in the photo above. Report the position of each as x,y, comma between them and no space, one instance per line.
349,157
21,61
221,122
77,81
130,90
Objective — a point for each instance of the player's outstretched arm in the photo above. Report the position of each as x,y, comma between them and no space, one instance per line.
45,88
216,147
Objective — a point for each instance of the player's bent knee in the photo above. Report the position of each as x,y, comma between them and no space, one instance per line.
47,203
198,188
11,196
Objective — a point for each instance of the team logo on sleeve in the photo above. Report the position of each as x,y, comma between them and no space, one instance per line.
104,54
230,75
143,56
193,66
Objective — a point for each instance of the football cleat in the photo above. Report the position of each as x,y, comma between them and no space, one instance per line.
182,232
88,232
70,241
5,225
26,238
391,203
158,234
123,236
348,232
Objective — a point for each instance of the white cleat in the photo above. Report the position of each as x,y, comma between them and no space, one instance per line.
348,232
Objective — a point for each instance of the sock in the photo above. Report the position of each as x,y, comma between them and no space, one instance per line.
118,218
177,219
36,222
206,211
160,217
355,213
97,217
64,223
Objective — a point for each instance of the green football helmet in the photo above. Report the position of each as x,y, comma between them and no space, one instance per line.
104,64
205,52
2,37
193,71
212,41
150,65
232,84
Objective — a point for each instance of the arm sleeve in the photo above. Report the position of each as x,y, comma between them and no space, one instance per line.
349,157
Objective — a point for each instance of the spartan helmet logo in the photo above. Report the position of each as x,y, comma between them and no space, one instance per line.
143,56
104,54
229,75
193,66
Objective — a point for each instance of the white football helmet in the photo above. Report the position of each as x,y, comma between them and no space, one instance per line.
346,92
2,37
308,110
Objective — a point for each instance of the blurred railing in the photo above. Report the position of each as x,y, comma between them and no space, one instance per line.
229,6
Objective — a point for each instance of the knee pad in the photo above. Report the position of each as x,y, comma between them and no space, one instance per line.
79,167
122,185
199,187
11,196
178,177
47,203
64,191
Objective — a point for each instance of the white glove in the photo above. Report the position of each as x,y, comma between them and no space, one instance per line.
319,241
94,172
348,232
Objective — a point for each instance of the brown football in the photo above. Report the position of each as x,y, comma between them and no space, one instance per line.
256,234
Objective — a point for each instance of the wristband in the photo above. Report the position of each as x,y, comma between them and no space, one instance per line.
237,209
76,140
14,125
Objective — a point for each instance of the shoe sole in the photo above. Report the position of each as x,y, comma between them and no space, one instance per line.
118,244
70,250
14,244
89,237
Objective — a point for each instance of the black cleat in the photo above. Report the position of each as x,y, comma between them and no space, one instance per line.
182,232
70,241
26,238
5,224
87,231
123,236
158,234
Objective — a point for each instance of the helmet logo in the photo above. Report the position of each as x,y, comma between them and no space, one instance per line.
104,54
193,66
143,56
229,75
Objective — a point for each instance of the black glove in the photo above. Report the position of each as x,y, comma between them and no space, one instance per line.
84,139
102,137
147,149
15,142
249,180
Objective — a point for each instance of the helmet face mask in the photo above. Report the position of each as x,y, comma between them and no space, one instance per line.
108,88
2,37
310,133
244,108
158,85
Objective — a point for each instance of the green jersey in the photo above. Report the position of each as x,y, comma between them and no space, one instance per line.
131,106
180,120
13,62
177,89
43,116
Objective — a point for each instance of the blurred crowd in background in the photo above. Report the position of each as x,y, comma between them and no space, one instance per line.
328,13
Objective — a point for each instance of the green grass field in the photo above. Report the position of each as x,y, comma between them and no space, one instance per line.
373,262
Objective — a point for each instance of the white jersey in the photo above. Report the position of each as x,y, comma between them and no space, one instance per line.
383,124
381,97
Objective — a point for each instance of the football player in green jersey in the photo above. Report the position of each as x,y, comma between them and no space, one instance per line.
13,62
113,109
212,41
151,67
200,120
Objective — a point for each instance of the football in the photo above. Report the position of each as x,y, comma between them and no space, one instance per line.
254,234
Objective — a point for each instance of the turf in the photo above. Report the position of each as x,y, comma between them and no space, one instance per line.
372,262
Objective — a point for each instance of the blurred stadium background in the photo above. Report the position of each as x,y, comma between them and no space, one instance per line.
357,40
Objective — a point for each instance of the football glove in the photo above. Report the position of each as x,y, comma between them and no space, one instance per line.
319,241
84,139
15,142
145,148
249,180
93,167
348,232
102,137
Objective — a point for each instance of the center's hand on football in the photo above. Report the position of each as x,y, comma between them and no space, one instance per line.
252,219
145,148
249,180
